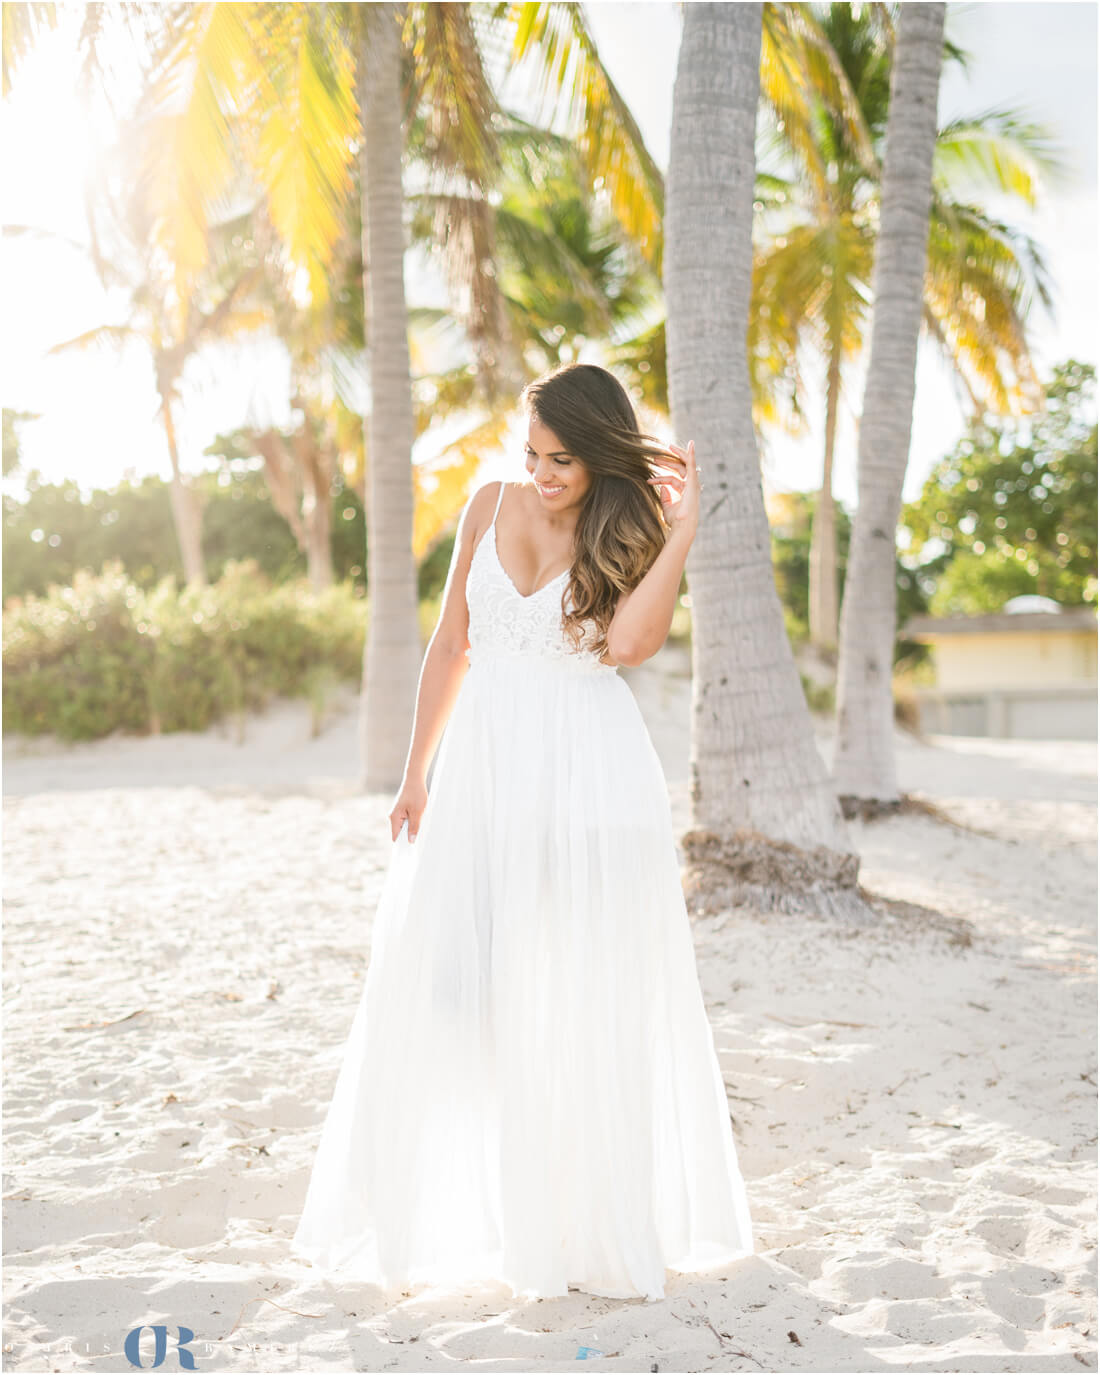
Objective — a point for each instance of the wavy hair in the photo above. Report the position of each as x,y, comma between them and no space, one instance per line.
621,527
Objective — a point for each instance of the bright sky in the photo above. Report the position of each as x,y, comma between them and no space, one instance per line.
99,408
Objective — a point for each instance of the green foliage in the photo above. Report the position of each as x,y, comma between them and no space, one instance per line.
105,654
434,566
240,522
791,564
75,662
820,697
1014,508
56,531
791,558
977,584
349,536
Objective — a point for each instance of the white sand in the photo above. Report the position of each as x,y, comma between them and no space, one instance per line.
185,940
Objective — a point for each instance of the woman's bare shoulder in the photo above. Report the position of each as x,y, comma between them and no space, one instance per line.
478,513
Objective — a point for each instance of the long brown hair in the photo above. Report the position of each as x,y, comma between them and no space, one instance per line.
621,528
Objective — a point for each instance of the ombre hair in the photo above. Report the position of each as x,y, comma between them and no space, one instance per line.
621,527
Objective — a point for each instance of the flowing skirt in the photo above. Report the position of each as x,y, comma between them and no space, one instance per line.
529,1092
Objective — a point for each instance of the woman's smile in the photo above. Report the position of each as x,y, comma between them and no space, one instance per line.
560,479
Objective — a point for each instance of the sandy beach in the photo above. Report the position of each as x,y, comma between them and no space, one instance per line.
186,932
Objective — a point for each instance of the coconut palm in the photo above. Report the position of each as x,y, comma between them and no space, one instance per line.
286,88
800,77
817,249
766,824
322,342
222,307
171,331
452,128
567,274
393,649
864,767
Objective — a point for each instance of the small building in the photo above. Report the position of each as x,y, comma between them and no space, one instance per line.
1026,672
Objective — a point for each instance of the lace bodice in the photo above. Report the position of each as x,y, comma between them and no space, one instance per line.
504,622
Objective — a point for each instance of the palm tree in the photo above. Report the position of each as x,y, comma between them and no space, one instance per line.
221,308
298,79
24,21
864,766
566,272
169,345
766,824
325,345
800,77
393,649
817,248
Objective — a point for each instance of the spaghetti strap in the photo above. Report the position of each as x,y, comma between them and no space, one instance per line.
489,532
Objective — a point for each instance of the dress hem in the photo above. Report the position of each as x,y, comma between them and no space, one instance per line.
348,1271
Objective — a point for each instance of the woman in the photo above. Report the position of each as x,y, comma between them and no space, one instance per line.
529,1092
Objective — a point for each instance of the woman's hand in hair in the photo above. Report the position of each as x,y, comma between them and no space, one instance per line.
679,491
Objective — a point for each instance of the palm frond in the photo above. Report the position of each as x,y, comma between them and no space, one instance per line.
22,25
979,289
572,80
442,483
1000,149
814,74
101,336
303,148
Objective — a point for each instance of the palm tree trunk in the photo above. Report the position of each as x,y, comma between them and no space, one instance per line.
864,766
299,481
318,516
393,649
766,826
316,467
824,610
186,510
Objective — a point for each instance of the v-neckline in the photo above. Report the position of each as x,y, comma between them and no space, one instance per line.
508,578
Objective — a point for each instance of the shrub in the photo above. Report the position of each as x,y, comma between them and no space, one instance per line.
104,655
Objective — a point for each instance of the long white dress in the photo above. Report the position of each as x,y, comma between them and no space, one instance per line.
529,1092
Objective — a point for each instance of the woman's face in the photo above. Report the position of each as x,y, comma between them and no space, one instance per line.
560,478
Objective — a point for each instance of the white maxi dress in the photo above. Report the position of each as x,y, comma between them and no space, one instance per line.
529,1092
